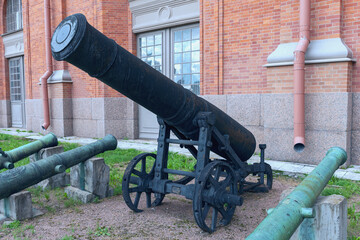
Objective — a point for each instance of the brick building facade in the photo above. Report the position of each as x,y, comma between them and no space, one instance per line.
240,59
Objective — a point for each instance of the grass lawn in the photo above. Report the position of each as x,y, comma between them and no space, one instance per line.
118,159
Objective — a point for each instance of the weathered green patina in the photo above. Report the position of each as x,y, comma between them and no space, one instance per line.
15,180
283,221
7,159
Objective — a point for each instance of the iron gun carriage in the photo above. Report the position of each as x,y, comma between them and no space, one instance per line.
198,125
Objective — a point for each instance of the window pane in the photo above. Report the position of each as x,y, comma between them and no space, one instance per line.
178,58
143,52
158,60
150,40
178,37
187,79
196,78
195,33
186,57
177,69
195,45
195,56
158,39
186,46
177,47
186,35
158,50
142,42
186,68
151,61
149,51
195,67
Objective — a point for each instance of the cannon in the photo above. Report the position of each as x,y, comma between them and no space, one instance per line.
8,158
198,125
283,221
17,179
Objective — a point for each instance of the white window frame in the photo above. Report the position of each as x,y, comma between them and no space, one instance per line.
167,48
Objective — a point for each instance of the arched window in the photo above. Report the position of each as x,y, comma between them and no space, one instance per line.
13,15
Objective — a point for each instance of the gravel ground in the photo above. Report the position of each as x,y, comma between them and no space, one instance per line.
112,219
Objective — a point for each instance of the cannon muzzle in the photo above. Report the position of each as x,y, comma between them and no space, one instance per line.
8,158
80,44
15,180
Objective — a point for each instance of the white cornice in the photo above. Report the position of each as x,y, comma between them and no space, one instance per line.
14,44
151,15
319,51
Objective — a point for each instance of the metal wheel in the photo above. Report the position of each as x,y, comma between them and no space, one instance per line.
215,186
136,179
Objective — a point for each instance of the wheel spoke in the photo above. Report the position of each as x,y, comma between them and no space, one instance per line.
214,219
137,173
136,189
206,210
134,180
213,182
137,198
217,173
223,212
226,182
143,165
148,199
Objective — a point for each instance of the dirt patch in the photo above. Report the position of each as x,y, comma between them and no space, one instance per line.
112,219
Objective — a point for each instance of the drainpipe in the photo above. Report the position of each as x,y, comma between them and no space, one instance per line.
299,76
49,66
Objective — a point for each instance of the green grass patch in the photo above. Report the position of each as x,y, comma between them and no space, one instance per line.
18,230
342,187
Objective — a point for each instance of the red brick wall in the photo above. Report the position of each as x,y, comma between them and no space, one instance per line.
236,40
110,17
253,29
351,35
327,77
249,33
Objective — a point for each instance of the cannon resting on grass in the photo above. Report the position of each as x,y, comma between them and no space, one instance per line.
8,158
198,125
17,179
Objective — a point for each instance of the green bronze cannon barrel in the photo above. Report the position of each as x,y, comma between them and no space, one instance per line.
8,158
17,179
78,43
282,221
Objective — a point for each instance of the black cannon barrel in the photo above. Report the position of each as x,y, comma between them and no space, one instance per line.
8,158
80,44
17,179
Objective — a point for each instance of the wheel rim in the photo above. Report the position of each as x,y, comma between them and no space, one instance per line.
136,179
216,179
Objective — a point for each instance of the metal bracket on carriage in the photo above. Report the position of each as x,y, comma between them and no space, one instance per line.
261,169
203,119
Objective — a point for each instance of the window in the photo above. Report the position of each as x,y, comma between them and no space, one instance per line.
175,52
13,15
16,79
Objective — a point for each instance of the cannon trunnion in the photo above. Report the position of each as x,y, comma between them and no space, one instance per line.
198,125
